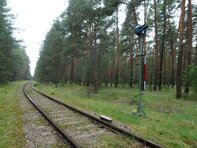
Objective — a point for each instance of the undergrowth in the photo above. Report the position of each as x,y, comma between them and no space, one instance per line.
168,121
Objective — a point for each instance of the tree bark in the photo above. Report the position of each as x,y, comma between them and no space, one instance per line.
111,76
180,52
189,47
156,47
131,61
117,49
72,70
173,62
162,46
135,21
195,62
95,62
66,70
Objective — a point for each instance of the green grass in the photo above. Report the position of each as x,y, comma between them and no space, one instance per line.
11,133
169,122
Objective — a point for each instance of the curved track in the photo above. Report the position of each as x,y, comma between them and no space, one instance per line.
79,129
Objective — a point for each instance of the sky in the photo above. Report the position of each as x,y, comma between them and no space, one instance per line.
34,19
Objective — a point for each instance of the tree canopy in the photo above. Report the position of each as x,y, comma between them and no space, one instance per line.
14,62
86,44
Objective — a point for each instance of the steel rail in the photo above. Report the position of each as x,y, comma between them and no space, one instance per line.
105,124
63,135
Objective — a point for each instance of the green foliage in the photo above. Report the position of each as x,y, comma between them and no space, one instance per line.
14,63
85,42
191,76
21,69
51,56
36,84
110,6
75,36
6,43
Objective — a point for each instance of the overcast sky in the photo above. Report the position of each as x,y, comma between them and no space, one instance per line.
33,20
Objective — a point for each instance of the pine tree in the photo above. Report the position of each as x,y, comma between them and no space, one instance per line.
180,52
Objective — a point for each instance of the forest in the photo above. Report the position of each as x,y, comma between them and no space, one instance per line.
87,45
14,62
91,59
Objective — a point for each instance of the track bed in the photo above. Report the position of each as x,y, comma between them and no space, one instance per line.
79,129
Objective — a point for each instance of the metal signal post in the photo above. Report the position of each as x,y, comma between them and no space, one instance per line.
145,72
140,30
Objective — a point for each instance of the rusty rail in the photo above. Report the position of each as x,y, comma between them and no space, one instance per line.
63,135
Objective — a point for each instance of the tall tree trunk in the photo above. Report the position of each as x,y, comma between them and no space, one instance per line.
195,61
152,71
189,47
162,46
131,57
173,62
144,37
95,63
92,71
66,70
72,70
57,79
180,52
156,47
131,60
117,69
111,76
135,21
117,49
63,69
88,60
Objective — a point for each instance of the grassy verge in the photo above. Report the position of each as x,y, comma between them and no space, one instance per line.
169,122
11,134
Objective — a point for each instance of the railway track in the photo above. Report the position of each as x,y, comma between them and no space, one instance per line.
78,129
